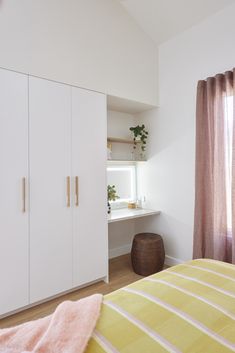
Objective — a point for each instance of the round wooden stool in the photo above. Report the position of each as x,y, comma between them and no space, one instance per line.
147,253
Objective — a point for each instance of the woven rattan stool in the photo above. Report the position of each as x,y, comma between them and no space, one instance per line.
147,253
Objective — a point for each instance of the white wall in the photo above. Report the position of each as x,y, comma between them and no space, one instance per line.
94,44
119,124
120,237
168,177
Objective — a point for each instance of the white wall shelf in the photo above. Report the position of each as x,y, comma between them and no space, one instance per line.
126,213
127,160
122,153
121,140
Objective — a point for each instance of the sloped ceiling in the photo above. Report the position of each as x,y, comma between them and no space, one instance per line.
163,19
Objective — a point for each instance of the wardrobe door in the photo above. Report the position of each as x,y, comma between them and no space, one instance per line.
13,191
90,237
50,169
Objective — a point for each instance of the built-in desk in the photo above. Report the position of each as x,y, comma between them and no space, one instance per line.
126,213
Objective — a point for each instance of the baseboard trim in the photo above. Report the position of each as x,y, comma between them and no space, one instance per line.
122,250
126,249
172,261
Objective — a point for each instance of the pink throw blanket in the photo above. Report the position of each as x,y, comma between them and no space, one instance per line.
67,330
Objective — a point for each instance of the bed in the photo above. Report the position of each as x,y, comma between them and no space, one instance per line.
186,308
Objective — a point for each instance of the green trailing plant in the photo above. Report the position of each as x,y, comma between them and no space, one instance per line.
112,193
142,133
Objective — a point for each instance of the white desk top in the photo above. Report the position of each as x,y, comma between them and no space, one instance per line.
126,213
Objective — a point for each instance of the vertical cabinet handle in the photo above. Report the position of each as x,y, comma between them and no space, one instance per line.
23,194
68,190
76,191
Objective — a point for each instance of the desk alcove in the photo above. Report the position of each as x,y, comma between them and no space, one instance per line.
122,228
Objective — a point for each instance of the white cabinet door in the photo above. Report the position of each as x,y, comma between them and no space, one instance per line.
50,164
14,167
90,238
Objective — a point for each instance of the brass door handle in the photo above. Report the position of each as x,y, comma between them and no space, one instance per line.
76,191
23,194
68,190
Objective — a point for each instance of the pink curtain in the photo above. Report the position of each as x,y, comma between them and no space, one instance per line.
214,223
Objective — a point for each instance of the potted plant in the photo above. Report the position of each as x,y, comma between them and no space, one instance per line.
141,135
112,195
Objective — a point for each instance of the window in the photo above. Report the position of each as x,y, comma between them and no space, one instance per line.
228,107
124,179
213,233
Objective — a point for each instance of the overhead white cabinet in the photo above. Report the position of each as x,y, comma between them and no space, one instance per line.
90,238
14,207
50,170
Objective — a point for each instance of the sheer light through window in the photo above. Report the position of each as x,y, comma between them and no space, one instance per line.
228,106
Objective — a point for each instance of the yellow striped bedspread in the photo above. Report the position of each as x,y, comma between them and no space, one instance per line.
186,308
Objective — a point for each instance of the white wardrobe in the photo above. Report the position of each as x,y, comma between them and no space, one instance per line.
53,225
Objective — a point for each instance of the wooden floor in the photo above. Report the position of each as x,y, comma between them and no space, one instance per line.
121,274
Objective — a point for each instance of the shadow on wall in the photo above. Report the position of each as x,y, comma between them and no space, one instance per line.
171,229
165,131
